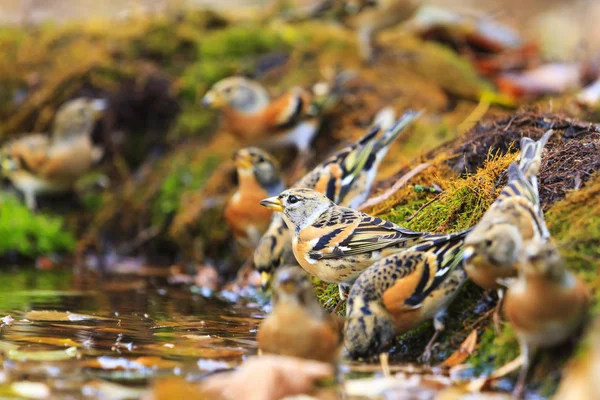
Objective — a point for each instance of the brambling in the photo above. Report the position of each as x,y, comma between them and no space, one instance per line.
251,115
369,17
545,304
512,224
401,291
335,243
258,177
345,178
298,326
40,163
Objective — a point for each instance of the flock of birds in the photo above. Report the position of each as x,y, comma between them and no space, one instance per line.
394,279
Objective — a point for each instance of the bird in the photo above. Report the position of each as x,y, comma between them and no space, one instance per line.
333,243
40,163
250,114
545,304
369,17
513,223
403,290
258,177
345,177
298,326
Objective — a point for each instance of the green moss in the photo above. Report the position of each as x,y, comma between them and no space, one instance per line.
462,204
575,223
495,349
31,234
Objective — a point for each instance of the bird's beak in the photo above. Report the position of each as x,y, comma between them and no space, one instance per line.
242,162
212,100
273,203
468,253
7,164
265,280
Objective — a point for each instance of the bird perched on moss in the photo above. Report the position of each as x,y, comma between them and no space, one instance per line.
258,177
335,243
545,304
39,163
250,114
401,291
512,224
298,326
369,17
345,178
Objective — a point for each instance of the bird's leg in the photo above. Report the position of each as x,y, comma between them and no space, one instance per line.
30,199
343,296
526,354
438,324
365,44
496,317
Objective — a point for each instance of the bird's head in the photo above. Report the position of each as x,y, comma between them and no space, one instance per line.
292,285
500,245
77,117
242,94
252,161
300,207
543,261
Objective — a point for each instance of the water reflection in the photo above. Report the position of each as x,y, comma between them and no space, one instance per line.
67,333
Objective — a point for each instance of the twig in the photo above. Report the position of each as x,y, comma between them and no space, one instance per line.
423,206
401,182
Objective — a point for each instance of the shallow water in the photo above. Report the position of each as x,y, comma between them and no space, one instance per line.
76,335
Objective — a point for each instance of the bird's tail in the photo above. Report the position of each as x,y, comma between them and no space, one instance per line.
396,129
531,155
327,95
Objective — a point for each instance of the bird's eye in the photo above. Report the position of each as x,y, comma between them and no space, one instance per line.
488,243
292,199
261,159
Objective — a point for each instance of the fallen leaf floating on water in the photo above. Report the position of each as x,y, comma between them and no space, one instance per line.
46,340
51,315
31,390
195,351
50,355
108,390
268,378
464,351
8,320
177,388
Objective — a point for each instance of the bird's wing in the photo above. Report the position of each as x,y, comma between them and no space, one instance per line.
342,232
30,152
519,186
441,255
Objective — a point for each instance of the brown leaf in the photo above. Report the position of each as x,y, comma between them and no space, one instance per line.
268,378
52,315
464,351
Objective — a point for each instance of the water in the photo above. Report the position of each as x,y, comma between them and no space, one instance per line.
92,333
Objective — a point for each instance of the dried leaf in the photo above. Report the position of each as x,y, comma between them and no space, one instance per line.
268,378
479,384
46,340
108,390
176,388
464,351
199,352
31,390
50,355
51,315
